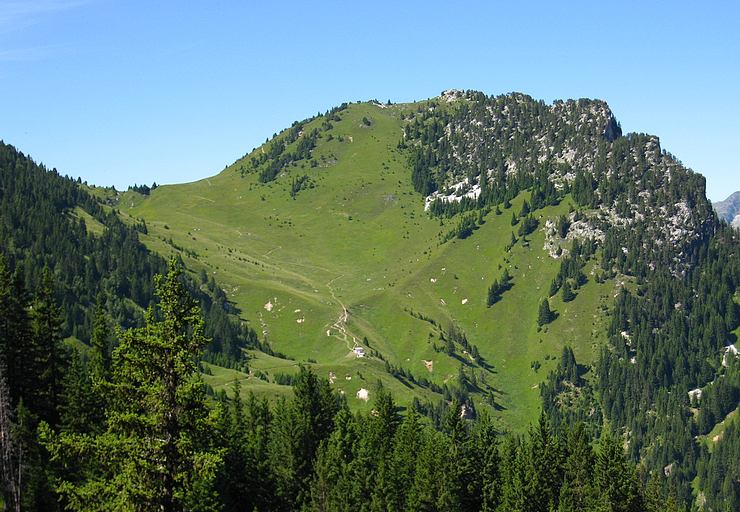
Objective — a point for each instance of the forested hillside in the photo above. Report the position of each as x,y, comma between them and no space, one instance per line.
652,224
132,430
484,302
51,225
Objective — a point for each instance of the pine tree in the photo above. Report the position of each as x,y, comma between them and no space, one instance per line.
243,481
406,444
494,293
83,405
488,463
298,429
434,485
100,351
50,358
16,347
546,466
513,478
616,481
525,209
544,316
329,486
384,421
155,453
11,454
568,294
554,286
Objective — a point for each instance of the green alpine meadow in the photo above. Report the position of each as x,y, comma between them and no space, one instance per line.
470,302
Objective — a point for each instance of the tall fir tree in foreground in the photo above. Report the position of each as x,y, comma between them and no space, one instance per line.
155,452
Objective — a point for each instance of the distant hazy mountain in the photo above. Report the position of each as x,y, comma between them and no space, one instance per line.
729,209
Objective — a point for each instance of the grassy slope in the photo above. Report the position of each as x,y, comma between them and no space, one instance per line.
361,240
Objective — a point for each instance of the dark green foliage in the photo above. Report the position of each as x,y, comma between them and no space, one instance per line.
528,225
498,136
11,450
577,491
571,269
719,472
156,450
464,228
300,183
113,269
498,287
82,264
568,398
546,470
298,428
306,452
544,314
720,397
583,190
144,189
115,265
17,351
568,294
277,158
563,224
244,481
83,399
666,338
669,326
615,478
49,356
422,176
525,209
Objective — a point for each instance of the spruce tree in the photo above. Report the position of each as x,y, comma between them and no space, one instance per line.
615,479
545,315
49,355
299,427
82,404
155,453
11,454
488,463
329,488
407,443
546,460
568,294
525,209
100,350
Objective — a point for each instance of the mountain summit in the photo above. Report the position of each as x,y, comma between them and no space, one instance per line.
729,209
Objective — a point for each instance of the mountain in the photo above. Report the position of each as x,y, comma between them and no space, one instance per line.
426,237
729,209
494,252
326,247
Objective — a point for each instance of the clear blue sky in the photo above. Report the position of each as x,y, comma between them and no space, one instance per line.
119,92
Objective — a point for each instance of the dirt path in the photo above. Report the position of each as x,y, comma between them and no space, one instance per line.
340,324
267,254
338,329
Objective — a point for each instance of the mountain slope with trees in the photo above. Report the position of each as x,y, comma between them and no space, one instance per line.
479,259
